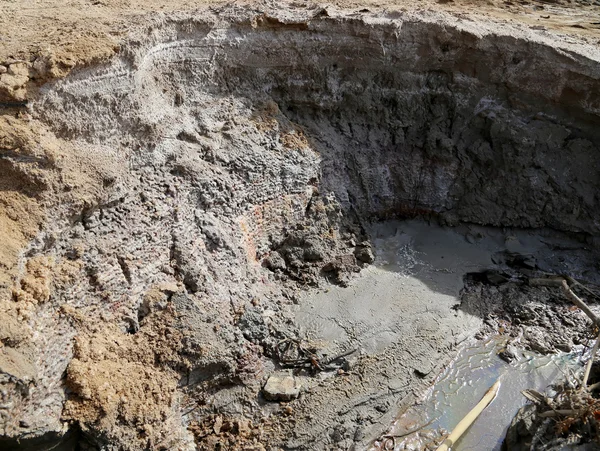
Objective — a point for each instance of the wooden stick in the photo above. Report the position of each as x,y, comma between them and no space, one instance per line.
588,367
594,386
579,303
546,282
574,282
556,413
464,424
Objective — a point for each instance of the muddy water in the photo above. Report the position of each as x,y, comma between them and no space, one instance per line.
403,310
461,386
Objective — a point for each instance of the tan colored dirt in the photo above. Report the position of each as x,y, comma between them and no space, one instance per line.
115,376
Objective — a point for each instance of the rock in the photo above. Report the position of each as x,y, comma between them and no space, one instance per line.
364,253
3,69
252,325
340,263
275,262
506,355
281,387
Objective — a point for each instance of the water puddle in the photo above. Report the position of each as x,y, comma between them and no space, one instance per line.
460,387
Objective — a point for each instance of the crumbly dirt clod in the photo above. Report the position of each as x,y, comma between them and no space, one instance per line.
124,386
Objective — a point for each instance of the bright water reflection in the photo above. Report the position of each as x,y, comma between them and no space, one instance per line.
465,381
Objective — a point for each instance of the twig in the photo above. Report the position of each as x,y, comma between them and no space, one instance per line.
470,417
412,431
594,386
534,396
579,284
196,407
339,356
556,413
579,303
588,367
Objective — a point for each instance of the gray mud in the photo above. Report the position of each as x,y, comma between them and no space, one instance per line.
248,157
414,306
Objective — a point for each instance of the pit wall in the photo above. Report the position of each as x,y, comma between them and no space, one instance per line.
406,117
219,135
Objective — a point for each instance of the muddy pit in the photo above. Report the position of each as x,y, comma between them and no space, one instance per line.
329,200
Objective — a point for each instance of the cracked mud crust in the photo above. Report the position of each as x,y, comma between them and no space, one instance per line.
183,184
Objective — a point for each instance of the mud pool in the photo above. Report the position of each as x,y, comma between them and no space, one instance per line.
413,290
410,299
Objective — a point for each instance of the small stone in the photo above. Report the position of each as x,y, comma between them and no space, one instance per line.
423,367
281,387
3,69
506,355
364,254
275,261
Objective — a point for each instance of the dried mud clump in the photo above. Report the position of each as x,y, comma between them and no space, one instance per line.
124,385
323,244
538,319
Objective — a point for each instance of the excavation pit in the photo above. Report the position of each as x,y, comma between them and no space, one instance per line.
253,169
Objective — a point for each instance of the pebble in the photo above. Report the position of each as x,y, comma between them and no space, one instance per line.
281,387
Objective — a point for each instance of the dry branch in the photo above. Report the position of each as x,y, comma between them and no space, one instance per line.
464,424
579,303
